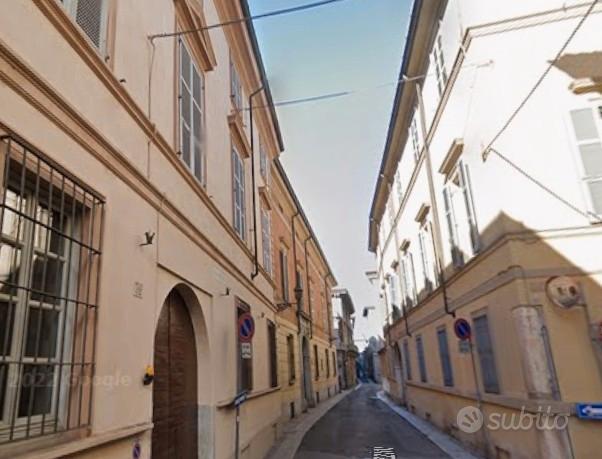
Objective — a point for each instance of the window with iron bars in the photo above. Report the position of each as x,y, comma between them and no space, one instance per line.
49,265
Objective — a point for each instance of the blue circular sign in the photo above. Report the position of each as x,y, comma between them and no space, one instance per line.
137,450
462,329
246,328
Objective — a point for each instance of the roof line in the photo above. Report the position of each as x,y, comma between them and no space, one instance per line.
289,186
394,112
264,79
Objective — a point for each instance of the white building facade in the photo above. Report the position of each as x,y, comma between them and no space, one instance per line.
461,230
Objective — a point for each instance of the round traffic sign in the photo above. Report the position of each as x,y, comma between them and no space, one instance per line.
246,327
462,329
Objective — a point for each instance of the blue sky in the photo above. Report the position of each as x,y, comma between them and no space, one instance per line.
333,148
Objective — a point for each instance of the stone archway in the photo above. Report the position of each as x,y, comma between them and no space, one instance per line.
175,387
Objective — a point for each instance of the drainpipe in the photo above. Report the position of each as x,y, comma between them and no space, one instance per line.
328,306
294,217
311,317
255,256
437,239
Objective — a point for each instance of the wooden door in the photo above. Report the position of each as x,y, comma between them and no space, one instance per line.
175,416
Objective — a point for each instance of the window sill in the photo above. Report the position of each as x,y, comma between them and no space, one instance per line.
586,85
79,445
239,136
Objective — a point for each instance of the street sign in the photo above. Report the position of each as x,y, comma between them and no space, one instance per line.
240,399
463,346
462,329
246,351
592,411
246,327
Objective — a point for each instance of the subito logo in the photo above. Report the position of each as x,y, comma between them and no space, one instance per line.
470,419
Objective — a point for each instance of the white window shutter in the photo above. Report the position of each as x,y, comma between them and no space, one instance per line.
589,144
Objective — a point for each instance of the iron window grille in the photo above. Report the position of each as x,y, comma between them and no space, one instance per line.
50,243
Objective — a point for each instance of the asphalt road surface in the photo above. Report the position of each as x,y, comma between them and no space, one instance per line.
359,426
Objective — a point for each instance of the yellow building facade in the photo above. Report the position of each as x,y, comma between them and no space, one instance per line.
135,232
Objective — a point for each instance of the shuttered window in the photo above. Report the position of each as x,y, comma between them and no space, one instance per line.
284,286
408,279
587,127
327,363
91,16
266,240
460,215
439,64
264,163
316,362
427,255
415,138
448,378
408,362
238,194
273,354
235,87
290,348
190,99
421,361
486,355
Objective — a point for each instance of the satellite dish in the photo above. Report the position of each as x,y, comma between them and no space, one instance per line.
564,292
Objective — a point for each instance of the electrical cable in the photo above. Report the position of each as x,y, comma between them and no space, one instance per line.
294,9
339,94
539,81
588,215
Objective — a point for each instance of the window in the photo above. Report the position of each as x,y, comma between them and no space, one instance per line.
245,366
238,180
334,363
235,87
415,138
398,186
327,363
439,63
91,17
448,378
460,215
425,238
190,97
316,362
284,287
391,211
587,129
272,351
406,357
408,279
264,164
266,240
290,348
421,362
49,259
486,356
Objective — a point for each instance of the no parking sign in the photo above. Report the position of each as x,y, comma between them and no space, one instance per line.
462,329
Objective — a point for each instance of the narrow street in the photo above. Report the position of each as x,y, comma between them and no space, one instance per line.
360,423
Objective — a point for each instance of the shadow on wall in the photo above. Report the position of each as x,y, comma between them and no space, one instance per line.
510,280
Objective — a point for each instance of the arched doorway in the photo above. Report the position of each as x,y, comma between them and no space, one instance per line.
175,414
307,389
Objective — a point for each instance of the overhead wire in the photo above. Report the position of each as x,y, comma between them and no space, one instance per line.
551,64
489,149
280,12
